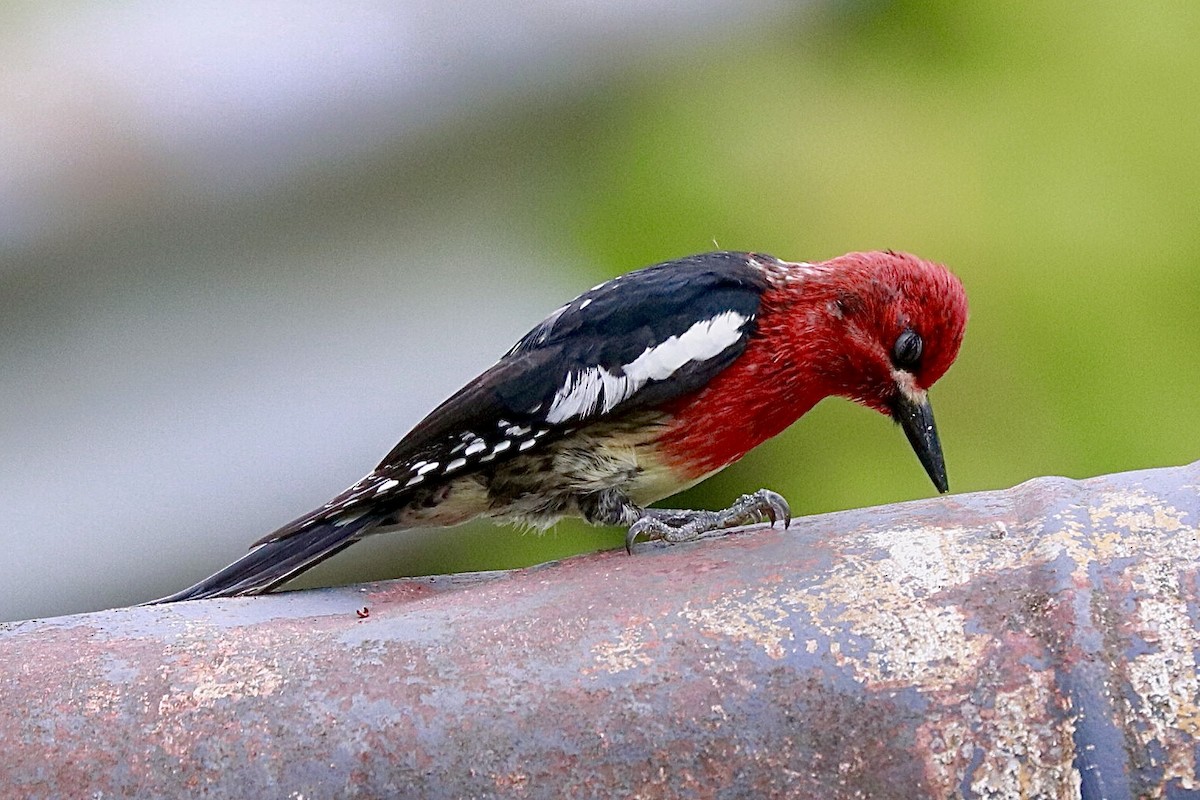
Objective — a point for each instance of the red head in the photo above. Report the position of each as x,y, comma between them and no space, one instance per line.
875,325
879,328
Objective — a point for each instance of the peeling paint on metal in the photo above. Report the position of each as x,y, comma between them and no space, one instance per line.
760,617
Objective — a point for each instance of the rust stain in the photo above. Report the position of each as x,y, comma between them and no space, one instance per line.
629,651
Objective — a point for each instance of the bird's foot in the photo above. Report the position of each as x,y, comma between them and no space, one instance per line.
681,525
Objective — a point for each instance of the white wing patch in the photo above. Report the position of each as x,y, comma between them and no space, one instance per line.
583,394
595,389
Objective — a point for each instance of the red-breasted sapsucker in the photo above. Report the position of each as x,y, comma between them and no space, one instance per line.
640,388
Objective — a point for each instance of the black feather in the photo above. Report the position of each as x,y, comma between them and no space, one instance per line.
608,326
271,563
503,412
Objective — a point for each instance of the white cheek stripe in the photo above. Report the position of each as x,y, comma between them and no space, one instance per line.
596,388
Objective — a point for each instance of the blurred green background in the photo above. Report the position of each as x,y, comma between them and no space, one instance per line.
215,323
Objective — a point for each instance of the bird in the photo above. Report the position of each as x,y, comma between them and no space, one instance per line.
644,386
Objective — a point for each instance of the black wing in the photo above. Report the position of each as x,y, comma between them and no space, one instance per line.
687,320
638,340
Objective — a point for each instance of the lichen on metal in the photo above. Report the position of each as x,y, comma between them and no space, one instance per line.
1036,642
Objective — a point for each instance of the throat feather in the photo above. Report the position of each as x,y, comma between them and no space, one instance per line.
771,385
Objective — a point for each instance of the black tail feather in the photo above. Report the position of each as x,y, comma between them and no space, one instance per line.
276,561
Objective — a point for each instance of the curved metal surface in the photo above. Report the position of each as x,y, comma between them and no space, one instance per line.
1037,642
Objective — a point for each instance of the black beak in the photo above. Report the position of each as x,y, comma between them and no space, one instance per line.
917,420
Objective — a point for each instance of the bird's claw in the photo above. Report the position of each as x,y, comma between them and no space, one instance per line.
643,525
777,507
675,526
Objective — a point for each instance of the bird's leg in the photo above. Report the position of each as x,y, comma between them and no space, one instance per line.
681,525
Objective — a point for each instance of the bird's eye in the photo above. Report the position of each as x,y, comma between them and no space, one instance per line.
906,353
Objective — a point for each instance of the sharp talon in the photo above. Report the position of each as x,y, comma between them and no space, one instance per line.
675,526
779,508
635,530
769,511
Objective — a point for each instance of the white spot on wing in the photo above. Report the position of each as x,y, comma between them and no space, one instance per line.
429,466
467,440
585,304
387,486
527,444
579,395
596,389
500,448
457,463
414,480
477,446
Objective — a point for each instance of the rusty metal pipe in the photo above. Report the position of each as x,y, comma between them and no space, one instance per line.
1036,642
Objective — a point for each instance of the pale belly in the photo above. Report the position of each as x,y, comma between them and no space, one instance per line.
543,486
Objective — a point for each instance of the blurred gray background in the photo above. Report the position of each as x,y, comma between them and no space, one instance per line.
245,247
